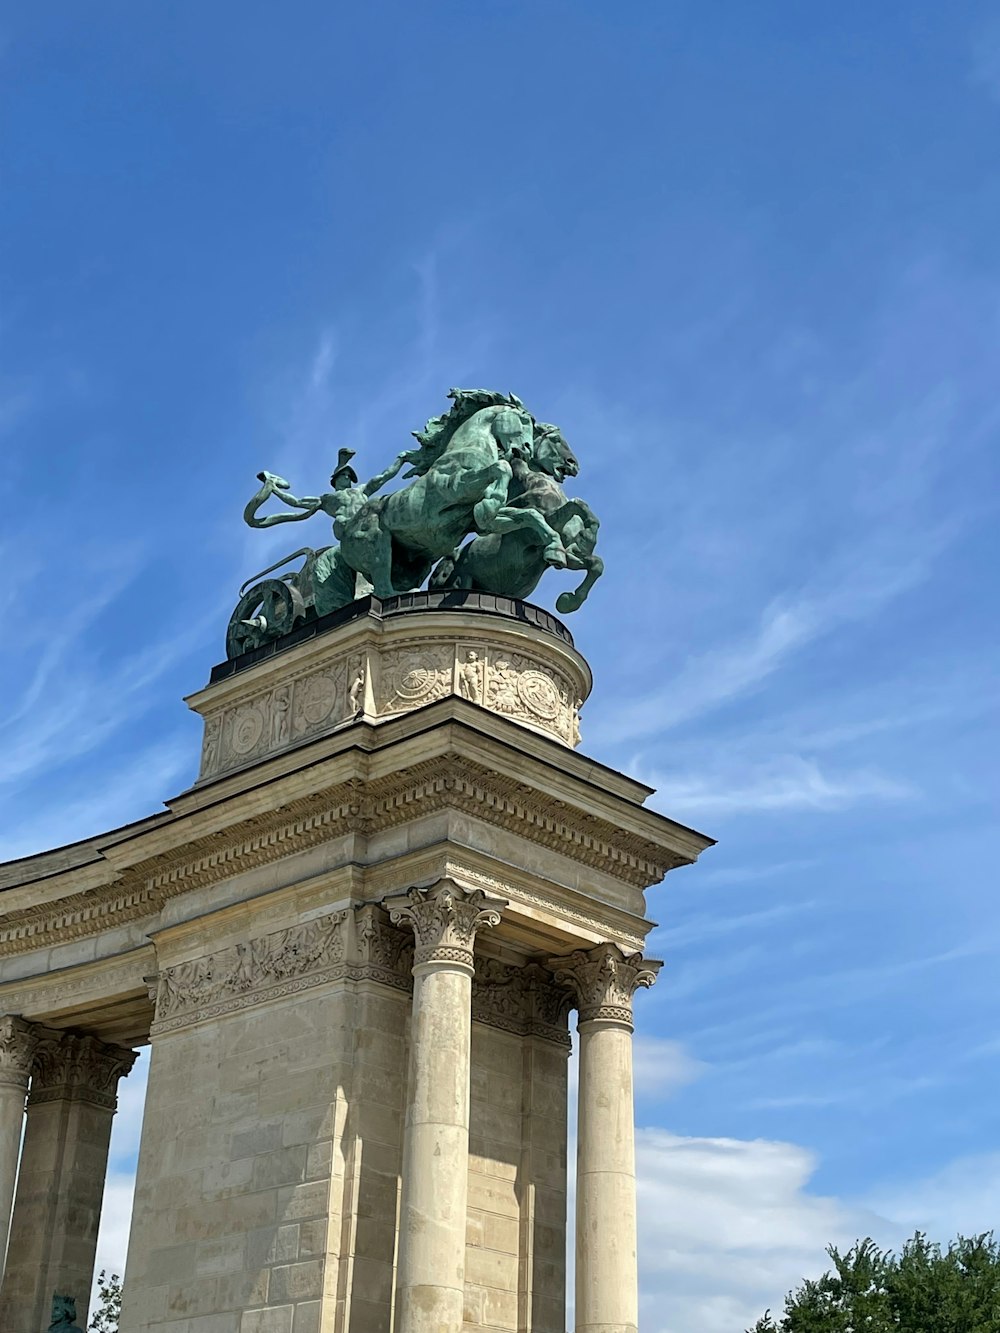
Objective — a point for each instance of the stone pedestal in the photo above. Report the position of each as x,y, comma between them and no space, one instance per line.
353,946
60,1190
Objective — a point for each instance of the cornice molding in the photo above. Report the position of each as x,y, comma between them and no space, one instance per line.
445,782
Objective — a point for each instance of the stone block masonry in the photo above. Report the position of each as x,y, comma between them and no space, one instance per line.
353,947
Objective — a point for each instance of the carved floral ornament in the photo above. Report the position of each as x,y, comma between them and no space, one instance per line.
444,919
604,980
314,700
79,1068
61,1065
18,1043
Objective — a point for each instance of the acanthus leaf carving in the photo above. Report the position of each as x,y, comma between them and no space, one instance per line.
73,1067
19,1041
444,919
604,980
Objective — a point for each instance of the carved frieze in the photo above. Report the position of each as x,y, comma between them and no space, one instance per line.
413,676
276,964
523,686
304,704
524,1000
384,953
604,979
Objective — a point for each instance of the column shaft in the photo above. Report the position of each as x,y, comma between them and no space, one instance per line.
18,1041
607,1278
607,1296
430,1275
57,1212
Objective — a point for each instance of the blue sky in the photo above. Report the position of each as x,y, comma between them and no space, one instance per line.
745,255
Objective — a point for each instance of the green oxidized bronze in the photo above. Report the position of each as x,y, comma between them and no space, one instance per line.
485,470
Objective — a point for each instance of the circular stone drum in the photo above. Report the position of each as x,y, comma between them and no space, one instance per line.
378,659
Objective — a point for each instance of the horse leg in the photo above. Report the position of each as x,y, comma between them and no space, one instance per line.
494,483
514,520
572,601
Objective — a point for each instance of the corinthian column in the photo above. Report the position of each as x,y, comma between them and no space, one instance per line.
607,1288
53,1233
430,1280
18,1041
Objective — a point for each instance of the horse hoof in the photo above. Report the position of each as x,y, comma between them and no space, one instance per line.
567,602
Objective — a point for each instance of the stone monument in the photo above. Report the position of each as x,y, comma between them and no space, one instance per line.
354,943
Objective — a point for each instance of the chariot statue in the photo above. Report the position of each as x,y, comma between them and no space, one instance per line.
484,511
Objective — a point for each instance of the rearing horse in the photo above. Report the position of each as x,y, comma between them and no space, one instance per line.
463,470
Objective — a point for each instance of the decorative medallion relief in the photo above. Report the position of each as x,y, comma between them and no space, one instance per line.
523,687
516,685
302,706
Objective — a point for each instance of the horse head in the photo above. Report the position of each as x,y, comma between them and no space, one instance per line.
550,453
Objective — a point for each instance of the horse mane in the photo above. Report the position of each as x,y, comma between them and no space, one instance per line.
436,435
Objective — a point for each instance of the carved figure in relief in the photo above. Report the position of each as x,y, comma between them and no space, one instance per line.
486,468
280,718
210,748
469,677
356,693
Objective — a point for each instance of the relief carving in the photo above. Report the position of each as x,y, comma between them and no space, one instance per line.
444,920
470,676
604,979
411,677
523,1000
319,698
202,987
69,1067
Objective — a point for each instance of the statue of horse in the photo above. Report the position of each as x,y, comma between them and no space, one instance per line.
463,471
511,561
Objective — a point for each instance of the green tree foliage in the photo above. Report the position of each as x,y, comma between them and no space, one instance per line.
922,1290
109,1304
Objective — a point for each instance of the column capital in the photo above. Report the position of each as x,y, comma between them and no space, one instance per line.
444,919
18,1043
78,1068
604,979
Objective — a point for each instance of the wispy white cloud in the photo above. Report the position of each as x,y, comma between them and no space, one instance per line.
727,1226
661,1067
786,626
135,789
786,785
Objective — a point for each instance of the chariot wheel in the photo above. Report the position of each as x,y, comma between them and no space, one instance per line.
264,612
